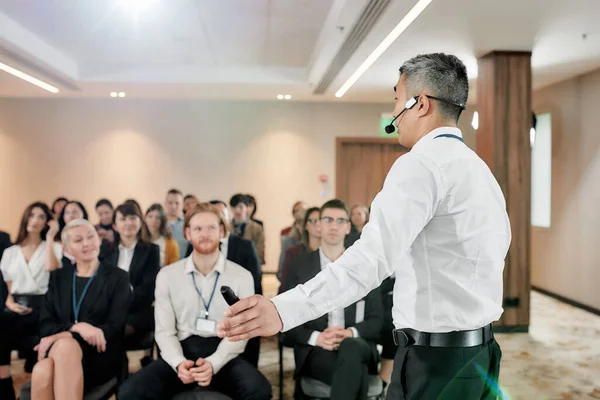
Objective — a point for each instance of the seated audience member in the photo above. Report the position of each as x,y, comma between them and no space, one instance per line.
311,240
82,320
188,307
158,232
252,210
337,349
190,202
174,209
105,210
26,270
244,227
294,230
5,242
359,216
58,205
71,211
386,338
141,260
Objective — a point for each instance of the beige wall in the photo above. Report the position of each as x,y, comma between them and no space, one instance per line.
87,149
566,257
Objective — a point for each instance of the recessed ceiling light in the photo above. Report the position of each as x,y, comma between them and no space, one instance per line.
287,97
279,97
28,78
408,19
121,94
113,94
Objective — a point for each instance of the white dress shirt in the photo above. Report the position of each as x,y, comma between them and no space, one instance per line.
335,317
27,277
125,257
440,223
177,306
225,245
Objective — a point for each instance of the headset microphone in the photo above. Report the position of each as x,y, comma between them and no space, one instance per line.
409,104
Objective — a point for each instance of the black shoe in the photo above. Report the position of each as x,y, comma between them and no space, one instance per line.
7,391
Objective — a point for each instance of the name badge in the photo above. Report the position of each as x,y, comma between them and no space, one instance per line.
206,325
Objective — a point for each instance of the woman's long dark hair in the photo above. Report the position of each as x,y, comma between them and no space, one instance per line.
25,220
164,226
305,234
126,209
61,217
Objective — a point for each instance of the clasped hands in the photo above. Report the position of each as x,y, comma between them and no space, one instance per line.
200,371
331,338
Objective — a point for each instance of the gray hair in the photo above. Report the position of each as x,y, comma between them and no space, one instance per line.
64,236
444,75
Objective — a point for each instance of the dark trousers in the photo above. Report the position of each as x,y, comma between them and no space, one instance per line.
252,351
446,373
19,332
345,370
158,381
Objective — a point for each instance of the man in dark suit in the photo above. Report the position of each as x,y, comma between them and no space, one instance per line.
339,348
242,252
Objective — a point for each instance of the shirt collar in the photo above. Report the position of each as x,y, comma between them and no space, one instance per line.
128,248
323,257
219,266
447,130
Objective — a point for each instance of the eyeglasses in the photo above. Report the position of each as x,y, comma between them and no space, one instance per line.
339,221
313,220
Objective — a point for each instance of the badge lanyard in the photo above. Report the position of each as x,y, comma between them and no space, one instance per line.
206,305
77,304
448,135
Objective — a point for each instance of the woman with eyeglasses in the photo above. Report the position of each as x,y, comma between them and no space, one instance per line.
311,239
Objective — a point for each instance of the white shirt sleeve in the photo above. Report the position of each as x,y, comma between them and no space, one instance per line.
312,341
410,195
226,350
166,323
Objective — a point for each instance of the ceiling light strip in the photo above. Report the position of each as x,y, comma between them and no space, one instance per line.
408,19
28,78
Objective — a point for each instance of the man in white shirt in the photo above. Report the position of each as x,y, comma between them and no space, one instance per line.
339,348
188,306
440,223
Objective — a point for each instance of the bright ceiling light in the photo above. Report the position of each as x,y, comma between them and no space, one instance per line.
475,121
113,94
532,137
279,97
287,97
121,94
408,19
136,6
28,78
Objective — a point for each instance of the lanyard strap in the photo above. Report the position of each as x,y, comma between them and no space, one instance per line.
451,136
77,304
206,305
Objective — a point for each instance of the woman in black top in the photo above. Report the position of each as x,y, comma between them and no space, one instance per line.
82,320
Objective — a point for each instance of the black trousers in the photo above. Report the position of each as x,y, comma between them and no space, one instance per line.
158,381
19,332
345,370
446,373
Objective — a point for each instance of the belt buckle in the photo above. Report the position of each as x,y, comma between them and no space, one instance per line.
401,339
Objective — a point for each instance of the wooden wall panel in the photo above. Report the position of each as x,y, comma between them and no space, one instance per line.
504,106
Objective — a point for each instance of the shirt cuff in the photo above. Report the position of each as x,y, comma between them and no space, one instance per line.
216,361
354,332
175,361
312,341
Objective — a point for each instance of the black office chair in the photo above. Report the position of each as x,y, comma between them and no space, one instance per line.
201,393
102,392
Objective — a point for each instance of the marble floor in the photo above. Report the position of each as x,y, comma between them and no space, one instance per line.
558,359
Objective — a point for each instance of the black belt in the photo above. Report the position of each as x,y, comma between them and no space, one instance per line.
410,337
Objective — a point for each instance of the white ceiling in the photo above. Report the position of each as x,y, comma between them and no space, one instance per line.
256,49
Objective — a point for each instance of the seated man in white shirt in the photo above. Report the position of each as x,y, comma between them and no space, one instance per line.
339,348
188,306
